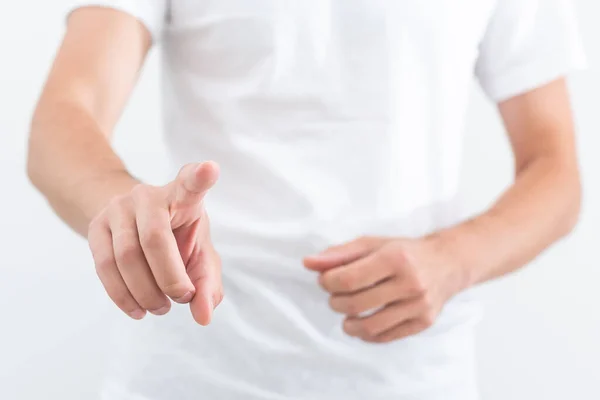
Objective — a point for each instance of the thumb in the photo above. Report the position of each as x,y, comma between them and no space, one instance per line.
193,182
337,256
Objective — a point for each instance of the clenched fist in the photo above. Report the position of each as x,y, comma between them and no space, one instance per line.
153,244
388,288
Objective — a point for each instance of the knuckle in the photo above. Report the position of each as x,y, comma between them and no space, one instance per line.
426,302
94,226
104,261
418,287
392,259
127,253
347,280
427,319
398,254
152,237
140,190
365,243
116,202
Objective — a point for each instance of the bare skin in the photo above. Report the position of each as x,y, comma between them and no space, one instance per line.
412,279
152,244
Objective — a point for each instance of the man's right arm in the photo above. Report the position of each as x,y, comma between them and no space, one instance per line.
70,157
149,243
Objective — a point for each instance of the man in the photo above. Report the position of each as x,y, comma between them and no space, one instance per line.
334,128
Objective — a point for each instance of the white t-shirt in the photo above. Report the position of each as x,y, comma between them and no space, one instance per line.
330,119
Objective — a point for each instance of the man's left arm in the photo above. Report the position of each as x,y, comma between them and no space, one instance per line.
543,203
410,280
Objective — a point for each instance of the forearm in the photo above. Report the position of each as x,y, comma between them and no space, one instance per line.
72,163
539,208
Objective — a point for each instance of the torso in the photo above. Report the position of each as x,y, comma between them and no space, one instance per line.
330,119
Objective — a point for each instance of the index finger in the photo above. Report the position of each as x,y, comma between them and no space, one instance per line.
205,272
356,276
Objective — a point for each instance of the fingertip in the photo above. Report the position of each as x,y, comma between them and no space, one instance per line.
137,314
212,165
202,312
197,178
202,178
310,262
320,262
203,319
208,171
162,310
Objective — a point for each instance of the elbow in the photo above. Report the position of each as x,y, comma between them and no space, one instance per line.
572,218
564,191
34,167
33,175
573,207
32,170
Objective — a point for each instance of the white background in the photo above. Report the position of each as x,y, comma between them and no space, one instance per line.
539,339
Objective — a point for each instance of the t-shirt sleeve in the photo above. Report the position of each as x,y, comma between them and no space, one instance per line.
151,13
528,43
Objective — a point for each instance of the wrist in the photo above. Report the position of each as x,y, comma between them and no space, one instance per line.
94,193
453,251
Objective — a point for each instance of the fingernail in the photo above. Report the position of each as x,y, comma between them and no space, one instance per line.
137,314
186,298
161,311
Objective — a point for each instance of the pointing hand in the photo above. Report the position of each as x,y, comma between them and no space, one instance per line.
153,244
